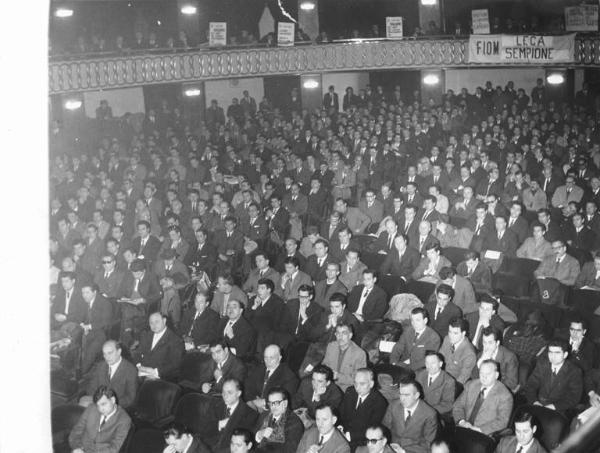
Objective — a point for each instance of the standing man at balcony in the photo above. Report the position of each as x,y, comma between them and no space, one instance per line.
331,100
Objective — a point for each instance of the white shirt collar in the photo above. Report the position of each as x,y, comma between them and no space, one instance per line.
433,377
113,368
157,336
327,436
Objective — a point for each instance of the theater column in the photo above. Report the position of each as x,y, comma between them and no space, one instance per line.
431,10
308,17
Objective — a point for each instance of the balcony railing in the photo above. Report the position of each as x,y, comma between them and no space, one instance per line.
158,66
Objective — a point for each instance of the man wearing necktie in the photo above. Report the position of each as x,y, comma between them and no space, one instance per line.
412,422
103,426
486,404
557,383
439,388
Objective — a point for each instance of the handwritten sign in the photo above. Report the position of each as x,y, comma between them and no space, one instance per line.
218,34
285,34
393,27
521,49
581,18
481,21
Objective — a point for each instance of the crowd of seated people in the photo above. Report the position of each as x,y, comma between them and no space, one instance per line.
282,263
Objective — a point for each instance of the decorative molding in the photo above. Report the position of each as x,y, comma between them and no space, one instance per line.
125,71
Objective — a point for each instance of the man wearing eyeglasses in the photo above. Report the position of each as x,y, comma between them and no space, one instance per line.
376,441
324,437
581,349
558,268
278,429
108,278
412,422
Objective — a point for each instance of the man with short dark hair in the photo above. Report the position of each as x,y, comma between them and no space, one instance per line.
242,441
506,359
524,439
485,316
223,366
95,324
555,383
415,341
458,352
439,388
180,439
319,389
442,310
103,426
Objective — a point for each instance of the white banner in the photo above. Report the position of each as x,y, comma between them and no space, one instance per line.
218,34
481,21
393,27
521,49
581,18
285,33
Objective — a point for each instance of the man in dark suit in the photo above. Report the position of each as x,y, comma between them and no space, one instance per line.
501,240
486,404
223,366
331,101
146,245
180,439
523,440
109,278
402,260
316,389
439,388
229,242
317,197
229,413
459,353
316,264
115,372
271,374
411,421
442,310
578,235
278,217
97,320
367,302
278,429
506,359
361,407
255,227
139,290
103,426
68,307
582,350
160,351
384,243
555,383
200,325
517,223
306,317
415,341
202,256
268,315
290,251
239,335
485,316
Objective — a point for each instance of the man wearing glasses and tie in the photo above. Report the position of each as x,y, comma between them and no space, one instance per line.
376,441
278,429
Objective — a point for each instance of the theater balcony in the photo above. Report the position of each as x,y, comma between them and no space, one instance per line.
116,71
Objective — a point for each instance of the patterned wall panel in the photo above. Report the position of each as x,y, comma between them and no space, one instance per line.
124,71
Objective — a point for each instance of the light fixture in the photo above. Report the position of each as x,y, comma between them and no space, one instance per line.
73,104
63,12
192,92
555,78
431,79
307,6
311,84
188,10
428,2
